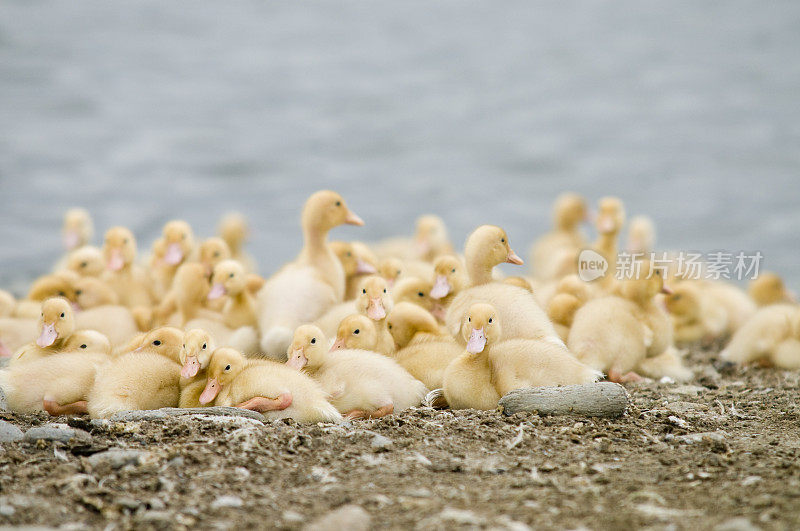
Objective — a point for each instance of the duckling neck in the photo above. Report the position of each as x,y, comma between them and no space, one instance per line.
479,274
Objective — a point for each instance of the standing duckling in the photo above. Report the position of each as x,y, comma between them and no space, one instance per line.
451,279
609,222
56,325
305,289
229,280
641,236
195,357
270,388
548,253
77,230
174,248
361,384
126,278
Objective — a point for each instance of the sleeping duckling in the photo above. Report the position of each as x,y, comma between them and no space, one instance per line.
195,357
56,323
548,252
229,280
252,384
234,230
147,376
302,291
768,288
423,349
360,383
693,317
759,338
86,261
130,282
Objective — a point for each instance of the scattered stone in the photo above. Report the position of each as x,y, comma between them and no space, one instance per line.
291,516
604,399
322,475
227,501
57,432
3,401
736,524
118,458
9,432
460,517
676,421
687,390
750,480
7,510
349,517
711,436
381,443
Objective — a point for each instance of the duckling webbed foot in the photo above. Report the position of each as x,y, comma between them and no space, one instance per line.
263,404
617,377
55,409
378,413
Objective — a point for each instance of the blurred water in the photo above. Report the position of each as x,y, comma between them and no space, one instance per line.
144,111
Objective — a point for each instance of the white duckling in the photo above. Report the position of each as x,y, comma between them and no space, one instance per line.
305,289
56,325
130,282
487,247
195,357
360,383
759,338
234,230
769,288
273,389
549,252
423,349
59,383
147,377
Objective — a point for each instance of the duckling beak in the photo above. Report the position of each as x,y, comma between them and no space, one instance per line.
477,341
666,290
210,392
513,258
71,239
338,344
174,254
48,335
364,268
191,367
441,288
353,219
605,225
217,291
115,261
375,309
297,360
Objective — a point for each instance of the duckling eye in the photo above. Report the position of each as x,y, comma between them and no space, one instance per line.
62,315
204,346
349,254
356,331
364,291
338,203
184,345
84,264
421,294
502,240
79,292
230,276
490,320
469,319
62,294
227,367
452,270
384,290
398,272
157,342
313,340
676,297
84,345
390,326
216,254
125,240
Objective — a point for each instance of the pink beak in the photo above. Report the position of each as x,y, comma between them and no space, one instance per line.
439,312
513,258
191,367
666,290
174,254
375,309
115,261
477,341
353,219
217,291
365,268
48,335
441,288
338,344
71,239
297,360
210,392
4,352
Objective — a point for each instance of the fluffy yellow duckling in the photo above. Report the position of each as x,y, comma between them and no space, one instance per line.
616,334
360,383
229,280
302,291
130,282
211,252
418,291
423,349
195,357
693,317
86,261
738,306
98,310
14,331
487,247
549,252
60,383
374,302
234,230
59,284
561,311
760,338
175,247
56,325
145,377
356,332
609,222
77,229
187,296
356,264
273,389
768,289
430,240
641,235
451,278
390,269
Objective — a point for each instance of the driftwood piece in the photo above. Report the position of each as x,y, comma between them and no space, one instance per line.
167,412
604,399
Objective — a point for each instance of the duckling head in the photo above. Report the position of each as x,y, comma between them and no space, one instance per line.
77,229
356,331
610,216
234,230
488,246
417,291
406,320
195,352
229,278
344,252
308,348
325,210
430,235
648,284
165,341
91,292
390,269
88,341
641,235
562,308
87,261
569,211
56,285
684,301
56,321
213,251
179,241
450,276
119,248
225,365
768,289
373,299
480,327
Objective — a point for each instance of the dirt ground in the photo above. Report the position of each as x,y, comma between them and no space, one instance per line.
722,451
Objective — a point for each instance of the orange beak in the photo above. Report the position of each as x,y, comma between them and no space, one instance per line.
513,258
337,345
353,219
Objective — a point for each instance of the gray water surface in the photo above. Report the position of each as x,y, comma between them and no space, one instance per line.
143,111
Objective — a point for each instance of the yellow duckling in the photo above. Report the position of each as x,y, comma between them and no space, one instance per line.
86,261
451,279
195,357
187,296
175,247
234,230
730,299
768,289
423,349
391,269
561,311
693,317
374,302
77,229
360,383
130,282
211,252
59,383
98,310
356,332
760,338
56,325
430,240
549,252
147,376
14,331
641,236
59,284
417,291
252,384
229,280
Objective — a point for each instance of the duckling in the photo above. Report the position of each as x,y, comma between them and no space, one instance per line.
768,288
86,261
356,332
693,317
759,338
451,279
418,291
517,363
423,349
641,236
617,333
430,240
195,357
356,262
186,297
735,302
251,384
391,270
561,311
57,323
360,383
547,253
229,280
234,230
99,311
59,383
59,284
78,228
16,332
487,247
302,291
610,219
145,377
175,247
211,252
130,282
